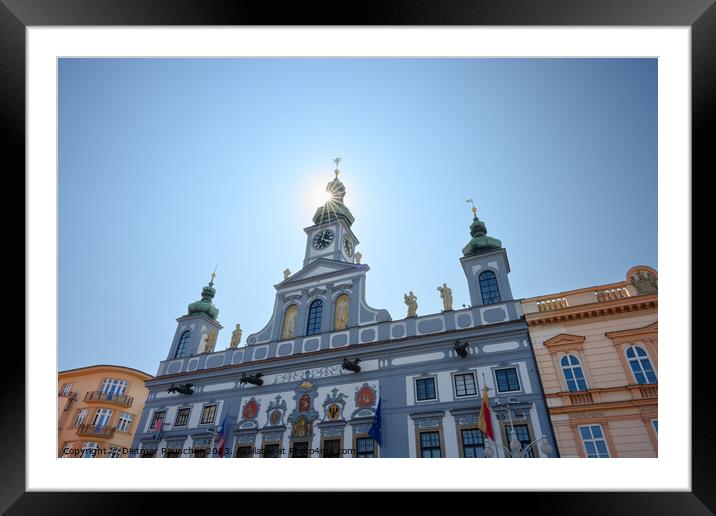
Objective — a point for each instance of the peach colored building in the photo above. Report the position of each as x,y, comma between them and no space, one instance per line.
98,409
597,354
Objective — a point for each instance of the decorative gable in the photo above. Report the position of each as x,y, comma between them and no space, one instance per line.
564,342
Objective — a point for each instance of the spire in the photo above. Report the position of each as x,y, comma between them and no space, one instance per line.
480,241
334,208
205,305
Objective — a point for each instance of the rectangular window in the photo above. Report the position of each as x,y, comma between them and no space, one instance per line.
208,414
66,388
80,417
331,448
473,443
200,453
157,420
425,388
148,453
102,417
125,422
244,452
507,379
299,450
523,434
430,444
182,417
89,450
595,445
115,452
365,447
465,385
111,386
270,451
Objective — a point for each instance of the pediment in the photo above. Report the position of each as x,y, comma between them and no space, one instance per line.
321,267
564,342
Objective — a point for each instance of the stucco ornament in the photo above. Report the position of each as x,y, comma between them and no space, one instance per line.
286,273
358,256
236,337
446,295
412,303
644,282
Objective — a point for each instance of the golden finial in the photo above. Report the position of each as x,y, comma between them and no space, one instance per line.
474,210
337,161
213,275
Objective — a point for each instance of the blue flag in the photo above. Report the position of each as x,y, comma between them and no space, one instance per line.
376,429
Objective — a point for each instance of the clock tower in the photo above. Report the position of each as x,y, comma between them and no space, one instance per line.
331,236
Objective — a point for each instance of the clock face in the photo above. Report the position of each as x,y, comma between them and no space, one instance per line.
348,246
323,239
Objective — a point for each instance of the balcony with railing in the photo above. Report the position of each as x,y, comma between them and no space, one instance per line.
96,430
118,399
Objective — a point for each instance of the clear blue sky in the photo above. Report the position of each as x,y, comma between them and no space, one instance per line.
168,167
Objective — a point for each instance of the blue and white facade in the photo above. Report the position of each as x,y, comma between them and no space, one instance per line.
308,404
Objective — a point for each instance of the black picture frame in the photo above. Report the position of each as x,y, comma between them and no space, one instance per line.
700,15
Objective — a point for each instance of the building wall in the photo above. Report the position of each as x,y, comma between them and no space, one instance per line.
389,369
597,328
85,383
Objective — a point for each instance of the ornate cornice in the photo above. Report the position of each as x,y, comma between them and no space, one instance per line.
564,342
592,310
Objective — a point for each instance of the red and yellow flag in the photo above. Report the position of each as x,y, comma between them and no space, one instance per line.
485,421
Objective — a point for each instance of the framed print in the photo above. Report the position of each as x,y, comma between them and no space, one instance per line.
198,278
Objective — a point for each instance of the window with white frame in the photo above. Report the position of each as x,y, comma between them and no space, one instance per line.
113,386
507,379
115,452
80,417
573,374
66,388
124,423
595,444
208,414
425,389
640,365
89,449
465,384
102,417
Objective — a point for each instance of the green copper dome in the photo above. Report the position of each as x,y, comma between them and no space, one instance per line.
480,241
334,208
204,305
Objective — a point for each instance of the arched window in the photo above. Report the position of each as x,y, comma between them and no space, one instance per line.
183,343
488,287
341,312
640,365
573,373
315,311
289,322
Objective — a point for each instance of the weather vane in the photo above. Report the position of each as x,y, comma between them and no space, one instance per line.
337,161
474,210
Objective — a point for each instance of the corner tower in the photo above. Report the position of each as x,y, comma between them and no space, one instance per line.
198,330
485,265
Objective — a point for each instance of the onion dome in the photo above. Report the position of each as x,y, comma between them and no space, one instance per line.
204,305
334,208
480,242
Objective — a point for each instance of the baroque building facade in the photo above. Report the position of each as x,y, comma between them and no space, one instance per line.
313,380
597,352
98,410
